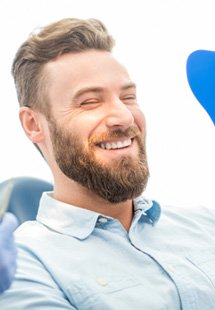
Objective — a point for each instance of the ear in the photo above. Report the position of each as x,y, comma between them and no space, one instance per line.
31,122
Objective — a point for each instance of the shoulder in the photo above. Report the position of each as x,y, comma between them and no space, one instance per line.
34,238
199,217
189,211
30,230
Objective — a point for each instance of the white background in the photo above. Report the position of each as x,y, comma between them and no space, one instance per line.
153,39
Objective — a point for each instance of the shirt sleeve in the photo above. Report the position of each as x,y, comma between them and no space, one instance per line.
33,287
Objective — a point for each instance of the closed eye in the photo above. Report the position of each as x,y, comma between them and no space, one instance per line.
129,99
89,102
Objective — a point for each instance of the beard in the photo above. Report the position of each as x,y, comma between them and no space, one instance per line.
121,179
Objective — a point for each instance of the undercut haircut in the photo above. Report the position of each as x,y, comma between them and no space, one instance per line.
68,35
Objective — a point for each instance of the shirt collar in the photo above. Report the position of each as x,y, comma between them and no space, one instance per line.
80,223
149,208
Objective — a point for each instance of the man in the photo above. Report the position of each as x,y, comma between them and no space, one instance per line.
7,251
97,242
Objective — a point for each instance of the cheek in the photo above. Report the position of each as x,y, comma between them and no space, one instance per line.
139,119
85,126
92,121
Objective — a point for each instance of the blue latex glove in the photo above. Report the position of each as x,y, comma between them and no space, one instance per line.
7,250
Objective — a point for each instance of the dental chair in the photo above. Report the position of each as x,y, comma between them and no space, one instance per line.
25,195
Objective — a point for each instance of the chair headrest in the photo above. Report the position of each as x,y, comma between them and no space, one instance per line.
25,196
201,78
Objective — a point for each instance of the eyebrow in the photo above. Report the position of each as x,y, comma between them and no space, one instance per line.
97,89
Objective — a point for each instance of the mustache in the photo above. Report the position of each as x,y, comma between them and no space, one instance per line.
130,133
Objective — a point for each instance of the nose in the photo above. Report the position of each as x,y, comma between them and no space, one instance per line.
119,116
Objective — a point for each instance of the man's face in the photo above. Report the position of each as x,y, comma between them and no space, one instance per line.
96,127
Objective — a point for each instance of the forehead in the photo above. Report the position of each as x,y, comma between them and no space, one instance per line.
74,70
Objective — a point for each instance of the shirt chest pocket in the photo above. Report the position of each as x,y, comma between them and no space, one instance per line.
97,292
205,262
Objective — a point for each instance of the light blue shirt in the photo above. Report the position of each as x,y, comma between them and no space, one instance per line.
73,258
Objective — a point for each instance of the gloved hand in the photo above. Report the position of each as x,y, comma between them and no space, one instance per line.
8,251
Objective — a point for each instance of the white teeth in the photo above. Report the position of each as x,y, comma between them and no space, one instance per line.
119,144
102,146
108,146
115,145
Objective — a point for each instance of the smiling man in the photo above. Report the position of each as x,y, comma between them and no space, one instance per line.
97,243
96,130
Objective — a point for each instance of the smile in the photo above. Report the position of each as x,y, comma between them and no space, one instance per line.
115,145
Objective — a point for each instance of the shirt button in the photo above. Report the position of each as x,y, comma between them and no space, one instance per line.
102,282
102,220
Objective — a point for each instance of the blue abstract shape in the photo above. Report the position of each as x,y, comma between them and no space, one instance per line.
201,78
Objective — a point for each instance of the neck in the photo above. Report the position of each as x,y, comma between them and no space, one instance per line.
73,193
